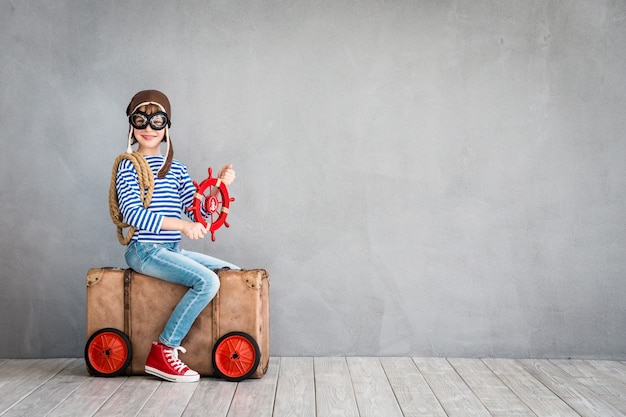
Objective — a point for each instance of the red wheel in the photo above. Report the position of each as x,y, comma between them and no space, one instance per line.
108,352
236,356
211,203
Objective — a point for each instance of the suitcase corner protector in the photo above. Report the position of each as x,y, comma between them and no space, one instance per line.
94,275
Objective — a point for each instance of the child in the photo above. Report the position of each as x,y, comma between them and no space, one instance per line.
154,248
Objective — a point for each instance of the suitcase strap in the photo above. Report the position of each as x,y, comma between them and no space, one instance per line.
128,275
216,314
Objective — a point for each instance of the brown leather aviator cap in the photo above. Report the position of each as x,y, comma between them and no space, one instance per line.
153,96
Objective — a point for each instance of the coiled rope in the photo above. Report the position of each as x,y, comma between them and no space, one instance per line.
146,187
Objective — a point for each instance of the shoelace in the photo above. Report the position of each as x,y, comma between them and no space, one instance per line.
172,358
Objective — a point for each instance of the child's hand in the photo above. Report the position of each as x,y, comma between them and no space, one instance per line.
194,230
227,174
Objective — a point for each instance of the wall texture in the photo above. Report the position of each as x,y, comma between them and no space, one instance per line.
419,177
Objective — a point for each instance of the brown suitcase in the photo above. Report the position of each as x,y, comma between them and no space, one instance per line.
128,308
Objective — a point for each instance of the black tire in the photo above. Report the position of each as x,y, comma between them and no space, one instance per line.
236,356
108,353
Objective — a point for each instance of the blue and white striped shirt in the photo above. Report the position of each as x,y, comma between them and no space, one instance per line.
172,195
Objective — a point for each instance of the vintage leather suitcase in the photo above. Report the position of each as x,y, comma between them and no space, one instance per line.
137,305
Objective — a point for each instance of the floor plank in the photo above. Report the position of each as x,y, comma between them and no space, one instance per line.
20,377
47,396
169,400
584,401
333,388
414,396
541,400
255,397
323,387
615,369
88,397
129,399
455,396
295,394
492,392
212,398
610,389
373,393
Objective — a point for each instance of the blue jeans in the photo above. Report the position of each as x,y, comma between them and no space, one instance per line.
194,270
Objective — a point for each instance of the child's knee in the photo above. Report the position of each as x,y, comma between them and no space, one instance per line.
209,283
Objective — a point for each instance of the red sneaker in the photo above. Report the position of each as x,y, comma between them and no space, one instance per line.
163,362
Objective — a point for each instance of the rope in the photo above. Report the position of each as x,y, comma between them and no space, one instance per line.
146,187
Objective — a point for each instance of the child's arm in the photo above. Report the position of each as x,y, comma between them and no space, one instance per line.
135,214
193,230
130,200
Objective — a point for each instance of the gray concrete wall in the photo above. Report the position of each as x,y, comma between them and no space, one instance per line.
419,177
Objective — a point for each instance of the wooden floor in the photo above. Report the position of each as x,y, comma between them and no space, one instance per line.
337,386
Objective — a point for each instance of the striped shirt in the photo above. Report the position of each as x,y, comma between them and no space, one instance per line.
172,195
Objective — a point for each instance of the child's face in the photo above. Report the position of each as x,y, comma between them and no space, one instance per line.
148,137
149,140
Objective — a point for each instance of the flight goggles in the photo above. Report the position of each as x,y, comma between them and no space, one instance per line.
141,120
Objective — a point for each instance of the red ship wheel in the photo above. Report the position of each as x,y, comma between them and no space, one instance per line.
212,196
